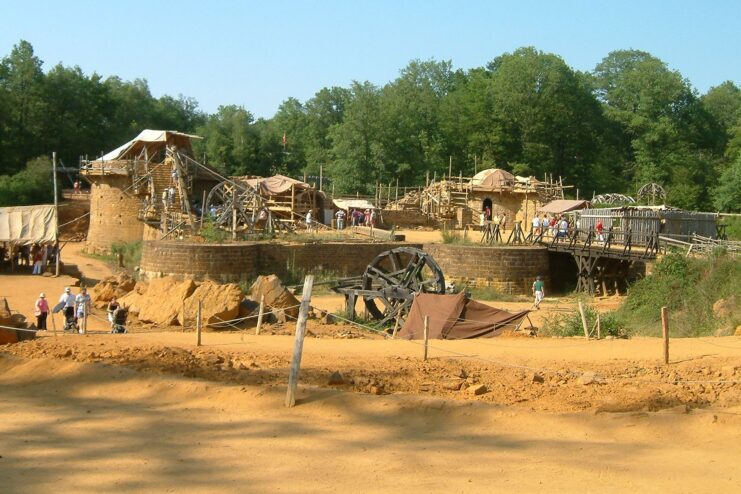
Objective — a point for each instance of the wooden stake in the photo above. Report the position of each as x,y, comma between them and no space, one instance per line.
396,328
56,215
450,167
259,314
303,316
665,332
599,328
426,334
583,320
199,323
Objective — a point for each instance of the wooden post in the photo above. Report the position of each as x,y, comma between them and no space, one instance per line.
260,314
321,177
303,316
450,167
427,178
53,322
396,328
203,208
665,332
56,214
599,328
396,196
199,323
234,219
583,320
426,334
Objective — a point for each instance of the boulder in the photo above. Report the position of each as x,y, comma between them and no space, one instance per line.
135,298
219,303
163,300
112,286
478,389
336,379
5,314
276,295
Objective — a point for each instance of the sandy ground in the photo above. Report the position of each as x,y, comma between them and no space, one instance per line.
151,412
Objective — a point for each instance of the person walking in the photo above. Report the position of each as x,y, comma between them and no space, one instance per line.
68,299
76,187
482,221
340,215
82,309
309,221
538,292
41,310
599,229
113,305
536,225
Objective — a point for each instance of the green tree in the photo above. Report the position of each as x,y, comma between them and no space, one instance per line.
230,141
727,195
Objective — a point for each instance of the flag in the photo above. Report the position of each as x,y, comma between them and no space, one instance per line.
284,139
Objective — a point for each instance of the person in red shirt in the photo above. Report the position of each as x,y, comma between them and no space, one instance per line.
41,310
599,229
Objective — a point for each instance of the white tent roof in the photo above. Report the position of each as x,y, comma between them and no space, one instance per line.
23,225
353,204
145,136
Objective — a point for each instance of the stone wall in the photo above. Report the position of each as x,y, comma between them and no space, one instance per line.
507,269
244,261
113,214
517,206
405,218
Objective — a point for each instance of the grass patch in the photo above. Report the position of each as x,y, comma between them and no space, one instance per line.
570,324
733,227
689,288
131,251
455,237
490,293
212,234
100,257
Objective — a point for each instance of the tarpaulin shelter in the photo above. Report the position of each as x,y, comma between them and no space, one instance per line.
26,225
561,206
455,317
493,178
275,185
147,137
348,204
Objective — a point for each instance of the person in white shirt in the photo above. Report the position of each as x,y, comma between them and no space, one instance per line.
82,309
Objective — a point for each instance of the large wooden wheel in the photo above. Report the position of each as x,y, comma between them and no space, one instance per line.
395,276
229,197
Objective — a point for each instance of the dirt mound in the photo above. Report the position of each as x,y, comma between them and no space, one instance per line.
219,303
10,320
112,286
163,300
276,295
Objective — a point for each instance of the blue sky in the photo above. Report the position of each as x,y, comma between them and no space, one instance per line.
257,54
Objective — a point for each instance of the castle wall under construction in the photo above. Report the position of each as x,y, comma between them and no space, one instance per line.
113,214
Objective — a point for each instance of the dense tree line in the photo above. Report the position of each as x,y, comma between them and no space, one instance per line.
630,121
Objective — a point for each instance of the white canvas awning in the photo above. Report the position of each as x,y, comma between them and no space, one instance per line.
145,137
24,225
348,204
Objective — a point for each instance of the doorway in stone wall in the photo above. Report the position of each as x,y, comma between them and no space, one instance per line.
487,204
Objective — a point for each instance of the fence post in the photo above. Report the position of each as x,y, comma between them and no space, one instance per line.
665,332
303,316
426,334
599,328
259,315
198,324
583,320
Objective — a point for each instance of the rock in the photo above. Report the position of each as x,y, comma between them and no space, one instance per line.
376,389
738,331
336,379
112,286
452,384
276,295
327,318
462,374
5,313
219,303
163,300
724,307
478,389
536,378
135,298
590,377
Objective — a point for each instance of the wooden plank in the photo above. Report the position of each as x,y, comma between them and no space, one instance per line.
298,347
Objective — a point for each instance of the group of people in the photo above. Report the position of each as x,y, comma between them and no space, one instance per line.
552,226
75,309
485,217
37,257
358,217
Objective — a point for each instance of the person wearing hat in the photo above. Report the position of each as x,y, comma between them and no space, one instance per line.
41,310
68,299
538,292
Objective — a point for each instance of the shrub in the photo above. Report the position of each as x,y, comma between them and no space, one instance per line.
32,185
570,324
131,251
212,233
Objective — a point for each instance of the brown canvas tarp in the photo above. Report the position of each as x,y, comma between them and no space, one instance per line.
453,317
563,205
493,178
277,184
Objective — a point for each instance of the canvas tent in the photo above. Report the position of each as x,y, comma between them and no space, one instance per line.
146,137
348,204
454,317
25,225
493,178
275,185
561,206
